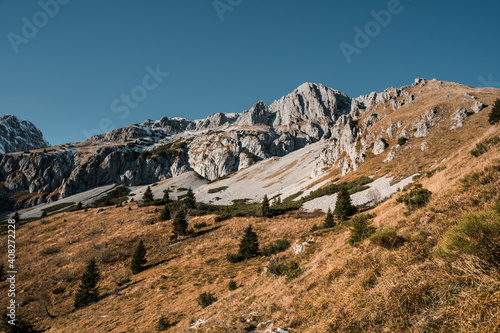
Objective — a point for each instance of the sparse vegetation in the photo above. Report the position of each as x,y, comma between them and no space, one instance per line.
116,196
484,146
57,207
402,140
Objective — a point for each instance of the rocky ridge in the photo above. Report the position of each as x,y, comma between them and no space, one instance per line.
19,135
224,143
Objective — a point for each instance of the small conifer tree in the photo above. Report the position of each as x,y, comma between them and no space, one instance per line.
165,213
249,244
16,217
180,224
266,211
166,196
343,207
88,291
148,195
139,258
190,199
78,205
329,221
494,115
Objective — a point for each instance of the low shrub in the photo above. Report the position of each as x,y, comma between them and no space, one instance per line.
199,225
163,324
417,197
279,245
232,285
234,257
217,189
476,234
58,290
206,299
402,140
291,270
387,238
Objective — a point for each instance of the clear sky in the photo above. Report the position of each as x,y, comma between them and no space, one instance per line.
76,67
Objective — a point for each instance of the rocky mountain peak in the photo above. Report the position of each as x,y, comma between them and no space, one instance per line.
19,135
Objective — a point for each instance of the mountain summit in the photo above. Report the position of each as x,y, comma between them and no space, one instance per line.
19,135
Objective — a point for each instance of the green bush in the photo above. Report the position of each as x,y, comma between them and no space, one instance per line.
206,299
279,245
291,270
417,197
475,234
58,290
234,257
232,285
217,189
361,229
387,238
163,324
199,225
484,146
402,140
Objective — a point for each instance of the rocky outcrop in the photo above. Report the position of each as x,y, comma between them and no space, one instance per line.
257,115
19,135
379,146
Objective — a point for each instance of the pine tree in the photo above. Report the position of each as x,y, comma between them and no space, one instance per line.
88,291
343,207
494,115
139,258
329,221
266,211
166,196
165,213
249,244
78,206
190,199
148,195
16,217
180,225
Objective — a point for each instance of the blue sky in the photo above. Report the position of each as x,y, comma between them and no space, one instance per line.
72,74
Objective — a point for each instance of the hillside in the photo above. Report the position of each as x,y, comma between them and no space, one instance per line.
436,271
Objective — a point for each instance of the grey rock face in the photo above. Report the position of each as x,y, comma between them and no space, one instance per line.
379,146
19,135
257,115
